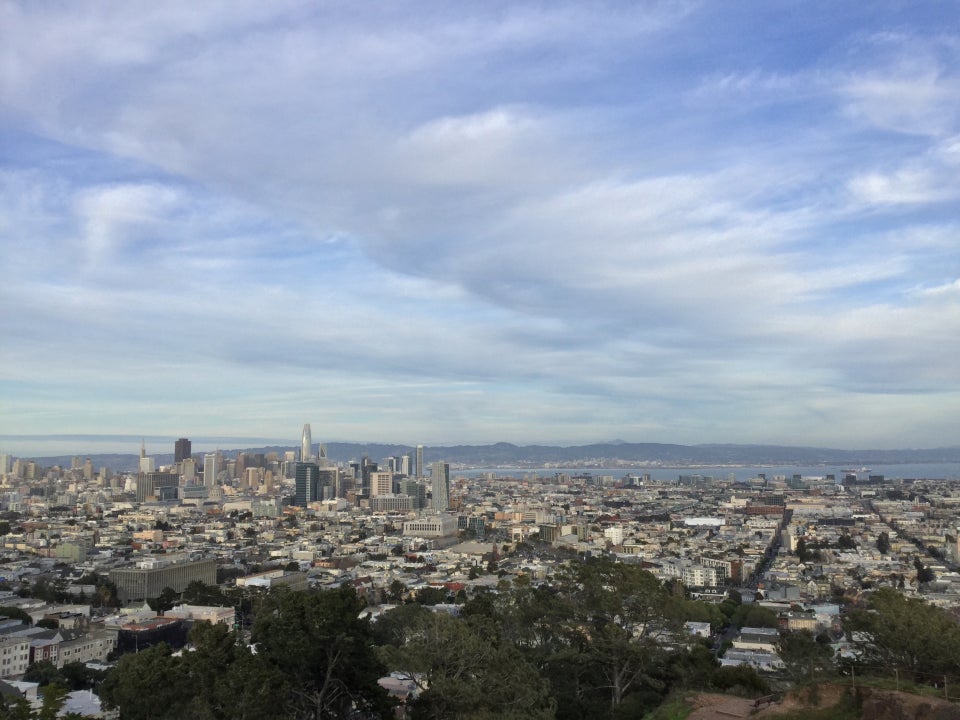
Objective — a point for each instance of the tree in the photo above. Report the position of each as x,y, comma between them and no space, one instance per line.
466,671
906,633
804,659
924,573
44,673
753,615
614,612
393,626
430,595
883,543
167,599
219,680
231,682
15,613
845,542
325,650
395,591
149,685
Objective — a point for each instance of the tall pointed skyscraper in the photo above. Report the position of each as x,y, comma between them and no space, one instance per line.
306,444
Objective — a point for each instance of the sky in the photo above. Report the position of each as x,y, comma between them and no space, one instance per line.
439,222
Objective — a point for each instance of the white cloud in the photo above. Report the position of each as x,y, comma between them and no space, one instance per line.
930,178
561,207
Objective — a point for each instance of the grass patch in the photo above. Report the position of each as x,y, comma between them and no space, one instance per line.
675,707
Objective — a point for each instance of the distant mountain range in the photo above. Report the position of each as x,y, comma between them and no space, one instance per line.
596,455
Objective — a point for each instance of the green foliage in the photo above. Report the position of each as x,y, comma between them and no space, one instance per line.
906,633
740,680
845,542
43,673
883,543
392,627
167,599
752,615
466,671
318,642
674,708
16,613
197,593
805,659
430,595
149,685
53,698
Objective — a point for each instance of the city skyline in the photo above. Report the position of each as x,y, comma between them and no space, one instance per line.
569,223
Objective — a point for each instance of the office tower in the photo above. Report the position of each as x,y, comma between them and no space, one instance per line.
330,485
441,485
88,470
241,465
157,486
182,449
306,445
420,468
6,463
250,480
405,464
307,484
210,470
367,466
416,490
322,455
188,471
381,483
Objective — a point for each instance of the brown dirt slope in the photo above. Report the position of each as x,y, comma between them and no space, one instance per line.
875,705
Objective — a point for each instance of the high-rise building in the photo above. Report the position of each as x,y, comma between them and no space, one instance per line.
210,470
330,486
441,485
188,471
367,466
416,490
6,463
420,468
307,484
147,464
182,449
381,483
306,445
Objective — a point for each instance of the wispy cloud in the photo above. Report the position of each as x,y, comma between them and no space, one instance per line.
524,221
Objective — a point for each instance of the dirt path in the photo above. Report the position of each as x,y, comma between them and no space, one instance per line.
720,707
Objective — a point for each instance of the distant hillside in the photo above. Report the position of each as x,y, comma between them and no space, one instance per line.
507,454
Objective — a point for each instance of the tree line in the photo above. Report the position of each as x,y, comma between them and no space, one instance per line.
602,640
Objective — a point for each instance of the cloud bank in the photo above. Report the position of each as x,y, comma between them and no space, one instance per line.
412,222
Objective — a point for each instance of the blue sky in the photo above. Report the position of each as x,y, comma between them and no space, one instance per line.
433,222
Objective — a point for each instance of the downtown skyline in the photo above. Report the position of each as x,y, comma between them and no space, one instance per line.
671,222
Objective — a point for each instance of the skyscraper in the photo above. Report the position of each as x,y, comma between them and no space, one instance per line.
307,483
182,449
441,485
419,467
306,444
210,470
